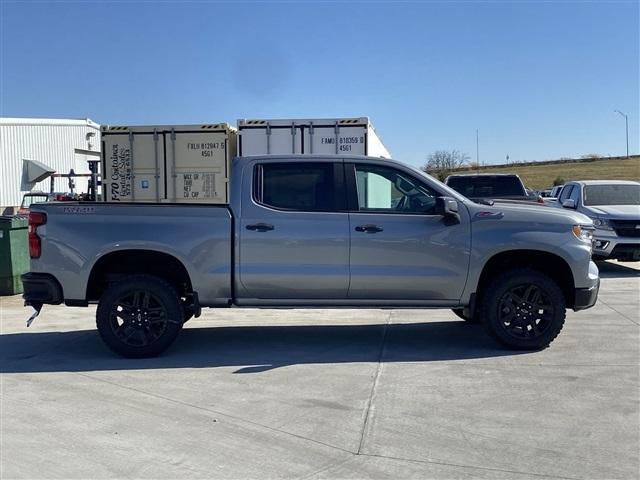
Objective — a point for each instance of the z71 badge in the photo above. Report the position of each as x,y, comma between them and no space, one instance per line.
79,210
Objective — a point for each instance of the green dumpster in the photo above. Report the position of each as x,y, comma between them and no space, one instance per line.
14,253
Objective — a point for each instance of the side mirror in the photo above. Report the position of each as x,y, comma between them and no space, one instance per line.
570,203
448,208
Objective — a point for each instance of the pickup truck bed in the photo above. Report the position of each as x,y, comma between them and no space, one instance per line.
193,239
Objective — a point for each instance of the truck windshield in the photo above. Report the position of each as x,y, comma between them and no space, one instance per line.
612,195
487,186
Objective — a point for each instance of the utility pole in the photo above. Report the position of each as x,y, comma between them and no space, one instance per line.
477,149
626,126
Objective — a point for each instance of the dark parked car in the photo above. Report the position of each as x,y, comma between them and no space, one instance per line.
488,187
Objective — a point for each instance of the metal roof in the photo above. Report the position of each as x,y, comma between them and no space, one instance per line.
484,175
604,182
87,122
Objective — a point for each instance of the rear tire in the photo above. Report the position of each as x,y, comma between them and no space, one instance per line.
140,316
523,309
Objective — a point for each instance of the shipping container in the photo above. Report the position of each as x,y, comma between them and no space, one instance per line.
60,145
167,163
331,136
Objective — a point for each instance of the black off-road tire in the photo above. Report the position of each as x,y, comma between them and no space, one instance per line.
460,313
523,309
140,316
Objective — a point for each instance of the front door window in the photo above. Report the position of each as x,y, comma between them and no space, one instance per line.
386,190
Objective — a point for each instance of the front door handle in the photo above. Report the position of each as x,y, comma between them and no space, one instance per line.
369,228
260,227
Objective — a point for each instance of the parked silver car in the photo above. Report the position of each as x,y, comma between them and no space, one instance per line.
614,207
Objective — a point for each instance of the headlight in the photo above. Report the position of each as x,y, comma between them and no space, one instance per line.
602,224
583,233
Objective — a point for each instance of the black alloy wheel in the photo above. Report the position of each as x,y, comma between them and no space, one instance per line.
140,316
523,309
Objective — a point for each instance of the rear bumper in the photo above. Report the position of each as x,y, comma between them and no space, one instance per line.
40,289
586,297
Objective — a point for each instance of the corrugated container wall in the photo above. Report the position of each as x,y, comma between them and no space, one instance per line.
58,143
329,136
167,163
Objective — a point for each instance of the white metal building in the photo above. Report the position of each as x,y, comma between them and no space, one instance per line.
61,144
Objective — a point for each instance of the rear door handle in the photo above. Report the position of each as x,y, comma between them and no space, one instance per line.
369,228
260,227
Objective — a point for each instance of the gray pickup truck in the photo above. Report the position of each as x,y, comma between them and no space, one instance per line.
313,231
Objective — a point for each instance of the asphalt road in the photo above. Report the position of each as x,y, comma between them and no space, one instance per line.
324,394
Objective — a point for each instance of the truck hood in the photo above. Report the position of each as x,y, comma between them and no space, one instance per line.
623,212
534,213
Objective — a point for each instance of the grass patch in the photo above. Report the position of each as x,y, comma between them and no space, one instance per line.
541,176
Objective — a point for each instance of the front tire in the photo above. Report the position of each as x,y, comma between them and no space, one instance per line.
524,310
140,316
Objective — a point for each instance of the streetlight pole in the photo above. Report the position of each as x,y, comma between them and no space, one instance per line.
626,125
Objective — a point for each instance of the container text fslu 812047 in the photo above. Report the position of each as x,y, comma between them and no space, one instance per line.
167,163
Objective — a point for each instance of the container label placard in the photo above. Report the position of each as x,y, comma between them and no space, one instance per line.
345,144
197,185
350,140
204,149
120,178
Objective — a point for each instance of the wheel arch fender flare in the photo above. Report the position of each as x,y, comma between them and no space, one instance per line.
545,261
132,259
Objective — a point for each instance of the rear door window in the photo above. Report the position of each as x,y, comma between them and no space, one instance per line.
309,187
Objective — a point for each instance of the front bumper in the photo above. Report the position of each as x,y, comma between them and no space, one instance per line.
609,245
586,297
628,252
40,289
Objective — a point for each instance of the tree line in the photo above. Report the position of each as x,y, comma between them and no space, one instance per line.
442,162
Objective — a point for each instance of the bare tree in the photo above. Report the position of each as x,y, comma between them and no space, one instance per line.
441,162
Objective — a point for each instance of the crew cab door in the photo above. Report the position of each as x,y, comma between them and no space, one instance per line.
293,231
400,249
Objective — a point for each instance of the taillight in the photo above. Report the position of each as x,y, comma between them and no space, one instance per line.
540,200
35,220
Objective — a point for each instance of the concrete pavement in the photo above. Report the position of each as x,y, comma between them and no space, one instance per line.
324,394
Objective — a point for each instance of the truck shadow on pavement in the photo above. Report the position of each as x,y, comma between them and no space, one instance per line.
255,349
615,270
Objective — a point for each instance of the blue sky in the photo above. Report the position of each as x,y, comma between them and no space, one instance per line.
540,80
